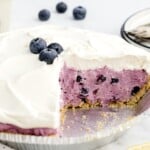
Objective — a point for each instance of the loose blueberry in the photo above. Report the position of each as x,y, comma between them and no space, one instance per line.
79,78
79,13
37,45
44,15
135,90
114,80
56,46
48,55
101,78
61,7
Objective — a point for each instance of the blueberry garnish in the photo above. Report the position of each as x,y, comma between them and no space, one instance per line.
61,7
44,15
114,80
79,78
37,45
101,78
135,90
56,46
79,13
48,55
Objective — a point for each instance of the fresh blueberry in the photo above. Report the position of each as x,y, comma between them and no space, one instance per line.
56,46
135,90
101,78
48,55
37,45
84,91
79,13
95,91
44,15
81,83
114,80
61,7
79,78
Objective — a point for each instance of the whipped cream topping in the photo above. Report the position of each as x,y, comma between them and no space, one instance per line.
29,88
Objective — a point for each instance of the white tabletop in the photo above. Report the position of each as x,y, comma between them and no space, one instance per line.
102,15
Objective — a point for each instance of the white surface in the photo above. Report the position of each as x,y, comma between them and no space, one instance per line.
103,15
138,134
4,9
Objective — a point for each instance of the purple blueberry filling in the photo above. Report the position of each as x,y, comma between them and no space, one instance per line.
102,85
34,131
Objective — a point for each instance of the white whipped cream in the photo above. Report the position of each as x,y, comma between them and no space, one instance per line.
29,88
